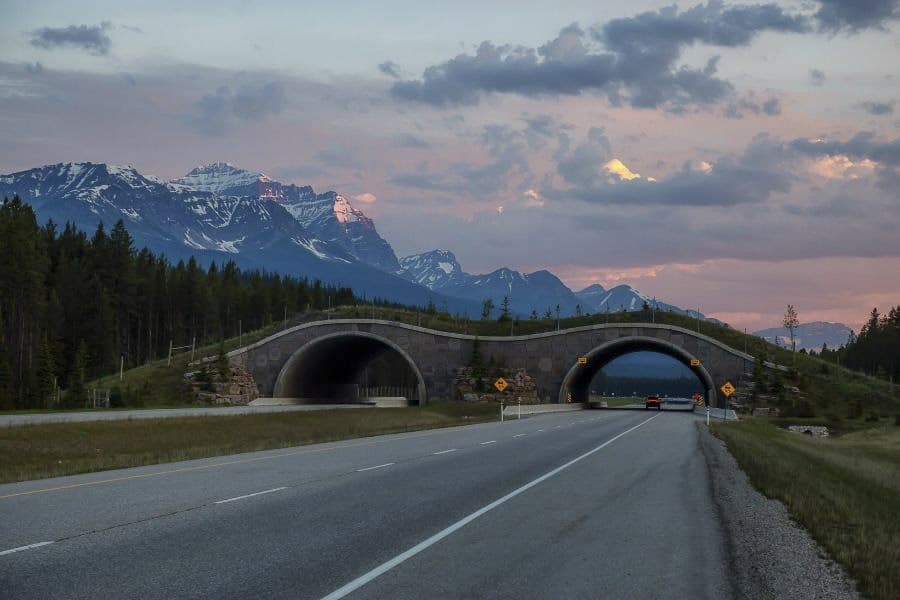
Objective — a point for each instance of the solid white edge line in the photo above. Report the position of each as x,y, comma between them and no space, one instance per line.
375,467
250,495
489,442
28,547
445,451
400,558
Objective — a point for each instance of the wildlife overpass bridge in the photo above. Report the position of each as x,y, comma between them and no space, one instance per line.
326,359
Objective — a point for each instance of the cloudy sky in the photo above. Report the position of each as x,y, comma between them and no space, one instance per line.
735,157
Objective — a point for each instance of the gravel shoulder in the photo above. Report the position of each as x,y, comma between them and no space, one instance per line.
771,557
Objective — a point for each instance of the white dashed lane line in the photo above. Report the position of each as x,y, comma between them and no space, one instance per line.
21,548
251,495
519,435
375,467
489,442
445,451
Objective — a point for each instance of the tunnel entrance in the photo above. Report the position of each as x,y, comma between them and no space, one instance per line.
628,379
350,367
576,386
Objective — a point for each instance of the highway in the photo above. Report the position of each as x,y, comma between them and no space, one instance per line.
593,504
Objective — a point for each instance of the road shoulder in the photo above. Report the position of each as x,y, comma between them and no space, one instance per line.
771,557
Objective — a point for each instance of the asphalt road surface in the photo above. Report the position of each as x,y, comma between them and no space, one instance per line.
595,504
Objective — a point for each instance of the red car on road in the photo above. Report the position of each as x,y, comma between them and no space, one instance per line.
653,400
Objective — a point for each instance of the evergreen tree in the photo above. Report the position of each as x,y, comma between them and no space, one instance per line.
224,367
77,392
504,311
7,396
487,307
45,377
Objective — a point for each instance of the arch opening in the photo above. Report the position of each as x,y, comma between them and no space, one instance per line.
349,368
576,386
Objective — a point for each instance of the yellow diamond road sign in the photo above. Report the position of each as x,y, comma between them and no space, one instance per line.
695,362
728,389
501,384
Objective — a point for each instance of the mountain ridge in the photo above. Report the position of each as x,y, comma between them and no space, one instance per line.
219,211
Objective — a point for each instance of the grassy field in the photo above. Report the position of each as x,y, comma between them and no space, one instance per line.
615,401
36,451
844,490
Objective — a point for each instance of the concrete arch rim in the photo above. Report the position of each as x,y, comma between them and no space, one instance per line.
654,345
295,356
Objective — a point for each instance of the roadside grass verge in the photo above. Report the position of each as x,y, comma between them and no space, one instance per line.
845,491
38,451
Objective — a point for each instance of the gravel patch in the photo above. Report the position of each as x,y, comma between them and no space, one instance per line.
771,556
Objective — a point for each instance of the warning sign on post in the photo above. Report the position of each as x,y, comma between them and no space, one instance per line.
728,389
501,384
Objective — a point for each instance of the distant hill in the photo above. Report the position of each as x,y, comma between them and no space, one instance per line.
809,336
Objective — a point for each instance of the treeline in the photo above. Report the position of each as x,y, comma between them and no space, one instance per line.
876,350
683,387
72,306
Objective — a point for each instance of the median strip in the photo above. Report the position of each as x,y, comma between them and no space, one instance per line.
251,495
21,548
424,545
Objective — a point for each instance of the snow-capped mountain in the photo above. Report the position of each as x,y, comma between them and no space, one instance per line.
624,297
435,270
810,336
439,270
220,212
328,218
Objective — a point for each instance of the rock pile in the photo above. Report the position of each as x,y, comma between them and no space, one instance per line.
481,389
240,388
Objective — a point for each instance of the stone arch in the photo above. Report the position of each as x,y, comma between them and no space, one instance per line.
577,380
354,348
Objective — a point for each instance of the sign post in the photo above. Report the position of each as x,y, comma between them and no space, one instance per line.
501,386
728,390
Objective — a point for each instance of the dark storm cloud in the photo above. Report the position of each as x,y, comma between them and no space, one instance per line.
255,103
878,109
91,38
340,156
580,166
749,178
631,60
213,113
736,108
767,166
816,77
390,68
856,15
408,140
862,145
210,116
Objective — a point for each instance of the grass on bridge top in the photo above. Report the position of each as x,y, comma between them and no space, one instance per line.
844,490
830,391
